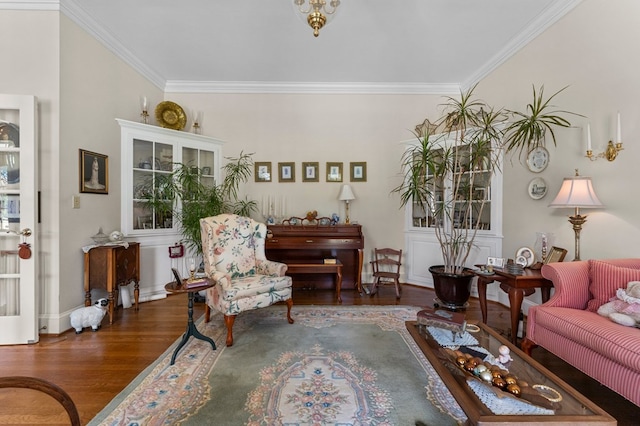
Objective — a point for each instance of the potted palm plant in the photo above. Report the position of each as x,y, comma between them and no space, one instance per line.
186,196
453,156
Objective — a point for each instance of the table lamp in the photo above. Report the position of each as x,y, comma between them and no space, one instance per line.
346,195
576,192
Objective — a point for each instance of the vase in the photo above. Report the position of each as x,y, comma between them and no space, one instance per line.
452,290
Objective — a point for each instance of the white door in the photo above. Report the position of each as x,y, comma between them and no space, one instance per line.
18,196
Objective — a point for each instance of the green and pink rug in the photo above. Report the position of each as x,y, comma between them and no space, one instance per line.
354,365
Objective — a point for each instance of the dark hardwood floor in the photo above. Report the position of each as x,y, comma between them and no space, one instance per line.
93,367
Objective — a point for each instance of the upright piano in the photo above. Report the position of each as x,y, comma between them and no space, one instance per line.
345,243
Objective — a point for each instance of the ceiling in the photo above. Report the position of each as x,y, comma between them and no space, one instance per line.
370,46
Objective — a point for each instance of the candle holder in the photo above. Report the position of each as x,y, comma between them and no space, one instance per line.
610,153
145,116
196,128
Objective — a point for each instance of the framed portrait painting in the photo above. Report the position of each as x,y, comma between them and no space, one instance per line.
94,172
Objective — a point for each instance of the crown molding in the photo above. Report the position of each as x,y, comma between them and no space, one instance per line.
537,26
310,88
74,12
30,5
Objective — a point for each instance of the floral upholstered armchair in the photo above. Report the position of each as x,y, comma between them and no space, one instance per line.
234,258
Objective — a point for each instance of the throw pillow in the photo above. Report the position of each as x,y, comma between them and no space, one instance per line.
605,280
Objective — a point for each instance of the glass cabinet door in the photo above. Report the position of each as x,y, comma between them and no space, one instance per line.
204,159
152,162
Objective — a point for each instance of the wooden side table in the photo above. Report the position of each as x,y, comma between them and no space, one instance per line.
174,287
516,286
110,266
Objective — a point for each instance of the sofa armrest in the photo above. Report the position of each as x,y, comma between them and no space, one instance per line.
220,278
271,268
570,282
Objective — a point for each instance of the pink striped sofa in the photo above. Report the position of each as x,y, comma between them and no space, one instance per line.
569,327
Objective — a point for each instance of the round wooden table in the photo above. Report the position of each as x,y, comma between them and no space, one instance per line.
174,287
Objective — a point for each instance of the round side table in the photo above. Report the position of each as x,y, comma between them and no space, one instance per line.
174,287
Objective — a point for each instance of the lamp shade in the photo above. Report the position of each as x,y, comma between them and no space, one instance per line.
576,191
346,194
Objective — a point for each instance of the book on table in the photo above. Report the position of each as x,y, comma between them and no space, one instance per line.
196,282
330,261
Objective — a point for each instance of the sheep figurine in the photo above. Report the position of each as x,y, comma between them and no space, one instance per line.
89,316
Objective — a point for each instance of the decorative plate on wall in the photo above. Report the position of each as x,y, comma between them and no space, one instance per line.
537,188
538,159
171,115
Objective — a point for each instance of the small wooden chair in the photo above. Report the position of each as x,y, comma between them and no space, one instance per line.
386,268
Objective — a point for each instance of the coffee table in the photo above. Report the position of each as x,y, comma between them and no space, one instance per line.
573,409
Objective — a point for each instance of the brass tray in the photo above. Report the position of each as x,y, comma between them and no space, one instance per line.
171,115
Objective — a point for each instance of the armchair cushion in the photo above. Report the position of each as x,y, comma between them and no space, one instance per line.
605,280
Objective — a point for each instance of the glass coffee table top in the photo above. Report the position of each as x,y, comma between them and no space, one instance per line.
544,396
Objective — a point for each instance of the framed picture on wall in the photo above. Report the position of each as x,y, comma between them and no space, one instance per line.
94,172
358,172
286,172
334,172
263,171
310,172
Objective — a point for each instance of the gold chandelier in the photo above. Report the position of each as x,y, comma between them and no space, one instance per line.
314,9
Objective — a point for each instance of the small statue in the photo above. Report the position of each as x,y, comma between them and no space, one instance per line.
504,356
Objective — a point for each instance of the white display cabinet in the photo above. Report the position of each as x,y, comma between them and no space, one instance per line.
148,152
421,244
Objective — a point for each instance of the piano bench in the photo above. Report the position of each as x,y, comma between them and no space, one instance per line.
317,266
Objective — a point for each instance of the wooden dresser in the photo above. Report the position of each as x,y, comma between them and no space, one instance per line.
304,242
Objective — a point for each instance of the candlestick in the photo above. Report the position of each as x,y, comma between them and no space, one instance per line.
619,132
588,137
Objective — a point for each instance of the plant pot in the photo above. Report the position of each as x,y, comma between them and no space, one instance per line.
452,290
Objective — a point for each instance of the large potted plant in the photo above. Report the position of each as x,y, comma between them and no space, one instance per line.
442,171
187,196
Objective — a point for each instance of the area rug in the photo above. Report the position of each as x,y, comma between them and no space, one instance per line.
354,365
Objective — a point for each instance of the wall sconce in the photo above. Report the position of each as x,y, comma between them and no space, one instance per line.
612,149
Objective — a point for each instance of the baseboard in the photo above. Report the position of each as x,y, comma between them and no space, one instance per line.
58,324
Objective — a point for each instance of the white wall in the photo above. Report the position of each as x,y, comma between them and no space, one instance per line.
96,87
323,128
594,50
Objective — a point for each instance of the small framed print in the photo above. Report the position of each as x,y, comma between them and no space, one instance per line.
497,262
358,172
310,172
263,171
334,172
94,172
286,172
556,254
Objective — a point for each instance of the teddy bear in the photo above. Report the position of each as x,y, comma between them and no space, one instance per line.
624,308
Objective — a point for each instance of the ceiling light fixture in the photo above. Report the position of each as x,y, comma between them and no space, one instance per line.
315,18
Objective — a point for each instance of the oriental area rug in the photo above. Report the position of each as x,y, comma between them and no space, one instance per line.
354,365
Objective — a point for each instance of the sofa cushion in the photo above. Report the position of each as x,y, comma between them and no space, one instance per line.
616,342
605,279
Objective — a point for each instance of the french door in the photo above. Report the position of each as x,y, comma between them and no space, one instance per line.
18,189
